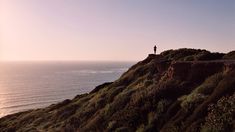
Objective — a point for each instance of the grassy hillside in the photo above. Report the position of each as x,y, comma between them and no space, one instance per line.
178,90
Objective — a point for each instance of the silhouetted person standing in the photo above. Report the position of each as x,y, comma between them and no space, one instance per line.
155,49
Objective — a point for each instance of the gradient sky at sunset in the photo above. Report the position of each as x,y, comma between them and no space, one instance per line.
117,30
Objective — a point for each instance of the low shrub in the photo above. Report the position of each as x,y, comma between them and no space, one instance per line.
111,125
230,56
191,101
197,96
221,115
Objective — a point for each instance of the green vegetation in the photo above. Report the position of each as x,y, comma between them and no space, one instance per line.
230,56
201,93
221,115
191,55
175,91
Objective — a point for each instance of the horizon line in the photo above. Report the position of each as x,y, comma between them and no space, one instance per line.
68,61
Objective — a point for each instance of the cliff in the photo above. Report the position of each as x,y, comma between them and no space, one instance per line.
178,90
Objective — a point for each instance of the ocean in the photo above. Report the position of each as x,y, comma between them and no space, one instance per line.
30,85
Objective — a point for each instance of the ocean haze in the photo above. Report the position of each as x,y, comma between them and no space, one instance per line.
27,85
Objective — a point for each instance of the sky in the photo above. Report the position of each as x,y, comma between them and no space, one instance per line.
112,30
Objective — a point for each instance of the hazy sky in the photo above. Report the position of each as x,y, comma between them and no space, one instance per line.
112,29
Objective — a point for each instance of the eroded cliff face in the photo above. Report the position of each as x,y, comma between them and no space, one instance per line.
193,71
177,90
206,83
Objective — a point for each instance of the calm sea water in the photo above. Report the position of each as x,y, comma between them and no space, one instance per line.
30,85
